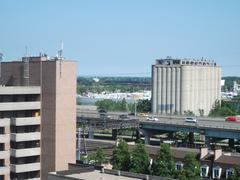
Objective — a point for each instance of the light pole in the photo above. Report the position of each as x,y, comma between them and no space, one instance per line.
135,109
135,97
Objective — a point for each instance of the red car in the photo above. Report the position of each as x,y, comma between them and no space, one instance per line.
231,118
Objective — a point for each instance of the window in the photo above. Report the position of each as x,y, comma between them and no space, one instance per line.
216,173
204,171
229,172
179,166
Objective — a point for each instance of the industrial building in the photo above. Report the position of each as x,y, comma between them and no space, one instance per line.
183,85
37,117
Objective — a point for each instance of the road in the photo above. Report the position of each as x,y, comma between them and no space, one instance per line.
203,122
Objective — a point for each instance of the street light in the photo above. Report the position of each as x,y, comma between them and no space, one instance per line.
135,97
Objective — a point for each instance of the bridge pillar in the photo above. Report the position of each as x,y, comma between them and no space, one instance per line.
191,139
171,135
91,135
138,136
147,138
231,143
207,141
114,134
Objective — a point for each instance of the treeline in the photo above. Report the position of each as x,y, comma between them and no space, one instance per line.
138,161
110,105
229,82
226,108
112,84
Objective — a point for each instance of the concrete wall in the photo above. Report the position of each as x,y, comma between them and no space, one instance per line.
65,114
58,116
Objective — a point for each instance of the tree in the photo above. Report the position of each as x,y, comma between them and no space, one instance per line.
164,164
139,160
111,105
236,174
121,156
144,106
189,113
99,157
221,110
191,168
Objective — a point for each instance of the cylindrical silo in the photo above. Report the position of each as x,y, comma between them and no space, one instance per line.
154,89
163,90
168,90
159,90
178,90
173,91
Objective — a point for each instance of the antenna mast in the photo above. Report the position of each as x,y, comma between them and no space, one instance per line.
60,52
60,56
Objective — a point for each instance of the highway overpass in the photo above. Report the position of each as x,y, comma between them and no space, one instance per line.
209,127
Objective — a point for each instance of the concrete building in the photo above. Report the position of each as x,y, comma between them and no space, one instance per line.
180,85
38,106
90,172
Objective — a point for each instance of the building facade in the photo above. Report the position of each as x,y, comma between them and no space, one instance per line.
52,121
20,132
180,86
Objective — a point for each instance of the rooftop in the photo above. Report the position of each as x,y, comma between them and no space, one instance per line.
97,175
169,61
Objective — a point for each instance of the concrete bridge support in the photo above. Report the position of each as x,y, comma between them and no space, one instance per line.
138,136
207,141
147,138
191,139
114,134
91,135
231,143
171,135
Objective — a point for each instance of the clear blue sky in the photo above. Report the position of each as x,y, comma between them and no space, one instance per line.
123,37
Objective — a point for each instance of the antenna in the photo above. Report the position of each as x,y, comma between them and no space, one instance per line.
60,57
60,52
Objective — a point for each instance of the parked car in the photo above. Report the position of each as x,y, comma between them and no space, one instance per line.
152,118
191,120
232,118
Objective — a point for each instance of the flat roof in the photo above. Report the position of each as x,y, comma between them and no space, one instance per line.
97,175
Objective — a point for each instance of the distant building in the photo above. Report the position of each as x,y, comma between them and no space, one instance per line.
37,117
180,85
236,87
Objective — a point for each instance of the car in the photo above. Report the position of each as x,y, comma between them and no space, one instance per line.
104,116
131,114
191,119
102,111
143,114
231,118
152,118
123,117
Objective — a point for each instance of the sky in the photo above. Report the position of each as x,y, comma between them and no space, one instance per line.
124,37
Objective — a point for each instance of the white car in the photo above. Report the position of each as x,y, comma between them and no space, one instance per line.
151,118
191,119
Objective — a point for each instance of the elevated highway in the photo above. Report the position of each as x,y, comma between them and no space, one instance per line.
209,127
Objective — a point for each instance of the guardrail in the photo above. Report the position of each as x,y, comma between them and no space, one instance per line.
203,123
